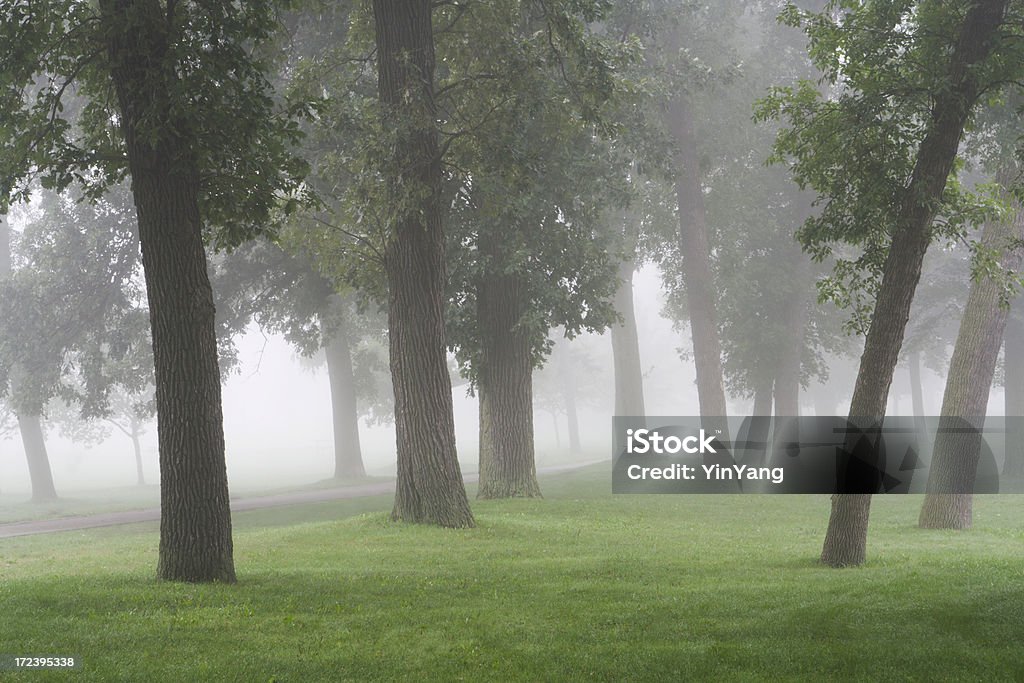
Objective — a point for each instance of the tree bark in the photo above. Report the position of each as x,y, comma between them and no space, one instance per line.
195,517
846,538
429,487
1013,359
348,456
505,380
629,378
949,493
31,429
697,273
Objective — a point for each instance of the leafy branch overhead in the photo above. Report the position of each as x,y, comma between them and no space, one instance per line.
59,119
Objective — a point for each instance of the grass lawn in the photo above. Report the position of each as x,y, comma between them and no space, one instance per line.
580,586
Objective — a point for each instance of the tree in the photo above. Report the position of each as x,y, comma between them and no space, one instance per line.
948,503
528,236
429,487
175,96
73,316
284,293
881,155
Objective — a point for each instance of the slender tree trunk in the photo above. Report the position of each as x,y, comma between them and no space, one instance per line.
948,503
505,377
31,428
763,395
568,373
558,432
195,517
348,457
846,538
697,273
429,487
787,375
140,478
916,388
629,379
794,312
5,247
1013,359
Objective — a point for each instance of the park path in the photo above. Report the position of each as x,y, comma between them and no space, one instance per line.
48,526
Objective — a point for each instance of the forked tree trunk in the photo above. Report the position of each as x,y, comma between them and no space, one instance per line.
1013,359
846,538
697,273
31,429
505,379
195,517
949,499
429,487
629,379
348,457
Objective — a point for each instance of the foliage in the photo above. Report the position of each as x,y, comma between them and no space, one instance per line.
853,139
58,120
75,322
283,293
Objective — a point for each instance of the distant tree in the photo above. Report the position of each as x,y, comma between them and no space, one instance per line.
529,241
285,294
880,155
74,323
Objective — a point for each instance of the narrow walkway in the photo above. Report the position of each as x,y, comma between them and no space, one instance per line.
49,526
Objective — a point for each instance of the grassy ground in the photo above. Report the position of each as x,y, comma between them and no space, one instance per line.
18,508
580,586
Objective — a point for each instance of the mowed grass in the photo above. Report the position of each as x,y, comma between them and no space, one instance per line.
580,586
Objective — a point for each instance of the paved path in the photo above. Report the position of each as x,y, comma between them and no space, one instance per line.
47,526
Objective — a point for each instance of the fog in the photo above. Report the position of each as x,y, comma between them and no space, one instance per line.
277,413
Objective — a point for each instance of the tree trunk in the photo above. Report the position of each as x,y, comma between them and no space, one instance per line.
787,375
949,498
348,457
136,432
629,379
505,380
1013,359
195,517
568,373
429,487
763,399
697,274
31,428
5,247
846,539
916,388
